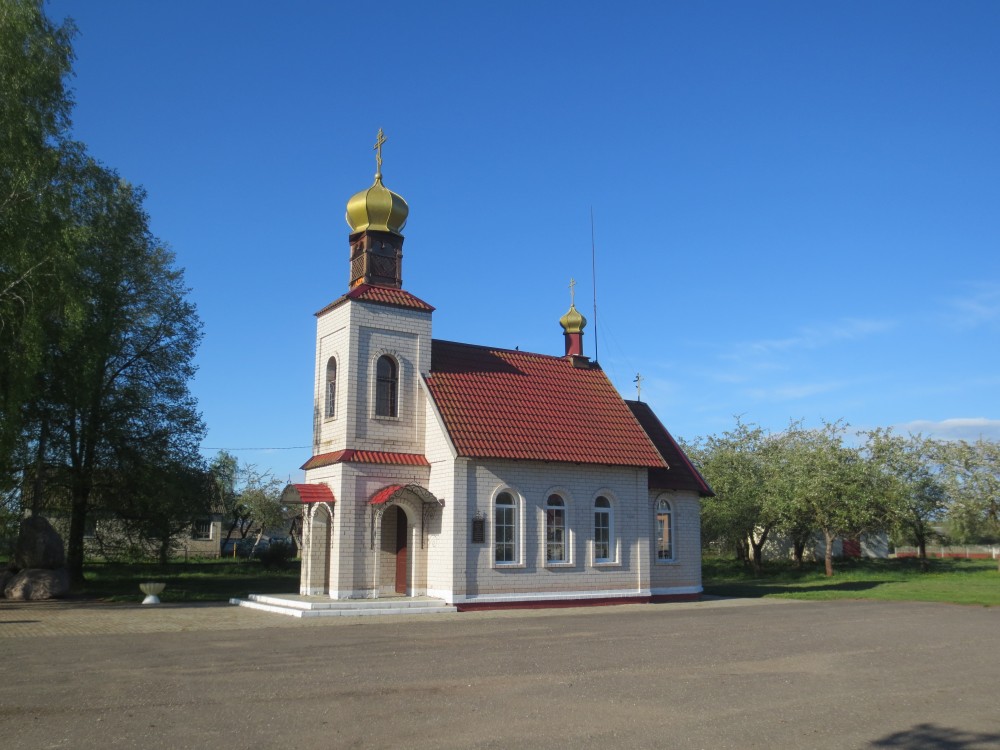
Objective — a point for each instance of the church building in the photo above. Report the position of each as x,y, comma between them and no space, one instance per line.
481,476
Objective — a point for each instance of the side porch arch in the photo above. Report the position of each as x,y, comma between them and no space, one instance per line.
317,502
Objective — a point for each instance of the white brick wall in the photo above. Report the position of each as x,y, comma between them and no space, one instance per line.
633,571
684,572
450,566
355,334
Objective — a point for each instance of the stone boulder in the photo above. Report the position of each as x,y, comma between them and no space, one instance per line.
35,583
38,545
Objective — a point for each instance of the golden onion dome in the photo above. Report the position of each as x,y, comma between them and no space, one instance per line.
377,208
573,321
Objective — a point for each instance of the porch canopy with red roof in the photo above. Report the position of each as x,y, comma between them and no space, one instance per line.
295,494
387,496
365,457
395,492
498,403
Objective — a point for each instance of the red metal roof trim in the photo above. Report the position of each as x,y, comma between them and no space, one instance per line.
381,295
385,494
498,403
307,493
365,457
680,474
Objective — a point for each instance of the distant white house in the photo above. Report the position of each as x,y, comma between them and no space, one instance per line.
871,545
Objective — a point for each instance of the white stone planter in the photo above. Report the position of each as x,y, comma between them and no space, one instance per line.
152,592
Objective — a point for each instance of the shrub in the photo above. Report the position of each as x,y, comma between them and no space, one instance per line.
277,554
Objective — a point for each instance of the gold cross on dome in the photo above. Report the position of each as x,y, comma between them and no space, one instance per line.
572,291
378,150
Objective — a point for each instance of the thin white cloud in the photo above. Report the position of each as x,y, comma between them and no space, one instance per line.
746,371
794,391
980,306
814,337
958,428
730,378
751,361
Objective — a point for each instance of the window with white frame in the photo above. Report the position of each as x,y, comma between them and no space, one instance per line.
555,530
664,531
386,387
331,388
505,529
603,530
202,530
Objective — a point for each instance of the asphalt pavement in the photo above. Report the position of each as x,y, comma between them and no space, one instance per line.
713,674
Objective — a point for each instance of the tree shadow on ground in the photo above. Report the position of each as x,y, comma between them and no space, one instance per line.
933,737
755,591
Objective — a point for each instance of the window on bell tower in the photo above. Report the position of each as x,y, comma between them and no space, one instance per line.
330,409
386,387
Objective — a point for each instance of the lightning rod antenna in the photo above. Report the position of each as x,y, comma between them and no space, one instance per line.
593,275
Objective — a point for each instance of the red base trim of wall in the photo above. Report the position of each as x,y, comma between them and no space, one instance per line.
663,598
950,555
566,603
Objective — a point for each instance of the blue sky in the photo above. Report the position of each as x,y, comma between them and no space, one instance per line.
796,205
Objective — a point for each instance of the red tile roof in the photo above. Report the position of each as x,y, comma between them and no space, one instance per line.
387,494
498,403
365,457
382,295
307,493
681,474
384,494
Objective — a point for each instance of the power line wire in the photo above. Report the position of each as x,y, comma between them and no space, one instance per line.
284,448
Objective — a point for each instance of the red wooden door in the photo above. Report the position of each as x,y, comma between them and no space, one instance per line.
401,554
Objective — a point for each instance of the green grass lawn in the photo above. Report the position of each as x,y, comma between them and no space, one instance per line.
957,581
206,581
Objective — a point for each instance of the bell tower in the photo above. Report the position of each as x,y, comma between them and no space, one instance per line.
377,217
373,343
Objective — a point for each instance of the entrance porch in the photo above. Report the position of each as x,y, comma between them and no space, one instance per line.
297,605
383,556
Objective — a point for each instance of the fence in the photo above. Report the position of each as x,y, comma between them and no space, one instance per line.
978,551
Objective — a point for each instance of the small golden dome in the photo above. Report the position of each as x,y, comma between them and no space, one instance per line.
377,208
573,321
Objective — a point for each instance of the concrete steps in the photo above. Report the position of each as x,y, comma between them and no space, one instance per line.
295,605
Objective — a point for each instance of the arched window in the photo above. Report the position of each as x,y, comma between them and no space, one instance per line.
603,530
505,529
331,388
555,530
664,531
386,386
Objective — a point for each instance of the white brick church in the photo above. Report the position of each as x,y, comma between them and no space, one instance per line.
484,477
